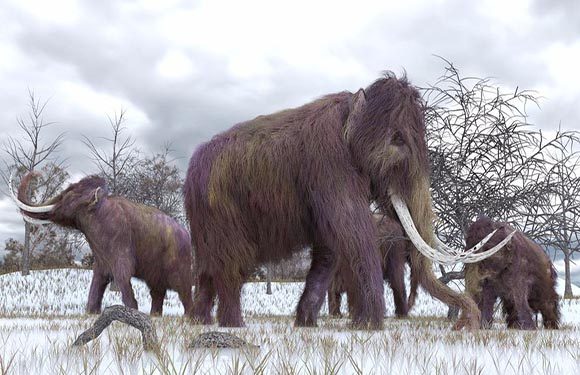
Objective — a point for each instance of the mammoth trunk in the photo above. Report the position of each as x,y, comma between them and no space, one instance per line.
35,214
418,202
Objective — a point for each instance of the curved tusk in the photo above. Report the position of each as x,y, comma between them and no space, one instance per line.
25,207
451,251
444,255
473,258
36,221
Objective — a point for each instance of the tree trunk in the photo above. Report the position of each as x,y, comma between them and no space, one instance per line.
25,258
568,281
268,281
126,315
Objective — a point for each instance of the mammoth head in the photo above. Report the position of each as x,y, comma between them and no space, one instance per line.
66,208
385,132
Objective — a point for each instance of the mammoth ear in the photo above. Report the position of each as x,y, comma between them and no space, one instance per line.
97,195
357,104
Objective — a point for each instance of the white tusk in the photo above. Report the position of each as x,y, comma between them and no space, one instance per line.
35,221
444,255
473,258
25,207
448,250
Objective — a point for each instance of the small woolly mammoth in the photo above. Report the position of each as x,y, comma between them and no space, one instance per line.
394,253
520,275
127,240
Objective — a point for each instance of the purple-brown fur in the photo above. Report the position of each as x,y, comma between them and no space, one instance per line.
127,240
268,187
520,275
394,252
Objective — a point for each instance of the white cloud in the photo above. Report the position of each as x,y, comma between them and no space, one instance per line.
185,70
54,12
175,65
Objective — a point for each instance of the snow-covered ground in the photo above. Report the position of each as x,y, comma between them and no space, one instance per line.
42,314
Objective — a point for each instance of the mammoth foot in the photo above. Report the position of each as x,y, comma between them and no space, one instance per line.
486,324
470,320
302,321
526,326
201,319
201,314
230,319
232,324
467,323
367,324
551,324
93,310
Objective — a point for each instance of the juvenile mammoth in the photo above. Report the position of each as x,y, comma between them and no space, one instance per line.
394,252
520,275
127,240
271,186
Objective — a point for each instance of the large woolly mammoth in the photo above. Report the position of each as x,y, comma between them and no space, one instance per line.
268,187
520,275
394,252
127,240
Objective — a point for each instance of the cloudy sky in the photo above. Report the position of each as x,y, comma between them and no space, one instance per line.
185,70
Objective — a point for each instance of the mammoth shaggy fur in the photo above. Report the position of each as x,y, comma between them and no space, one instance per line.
301,177
394,253
520,275
127,240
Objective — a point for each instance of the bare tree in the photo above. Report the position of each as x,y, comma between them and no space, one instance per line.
560,216
48,245
487,159
268,280
29,152
157,182
115,164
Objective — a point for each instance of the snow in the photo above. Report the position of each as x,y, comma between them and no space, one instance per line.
42,314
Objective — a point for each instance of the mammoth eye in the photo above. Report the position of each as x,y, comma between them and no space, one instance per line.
397,139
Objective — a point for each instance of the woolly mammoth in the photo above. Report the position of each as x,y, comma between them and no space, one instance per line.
521,276
127,240
268,187
394,254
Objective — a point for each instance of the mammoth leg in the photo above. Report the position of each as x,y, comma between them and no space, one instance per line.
550,310
550,315
509,311
334,298
395,276
523,312
157,297
229,290
184,293
486,304
204,299
317,282
346,226
97,290
122,276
